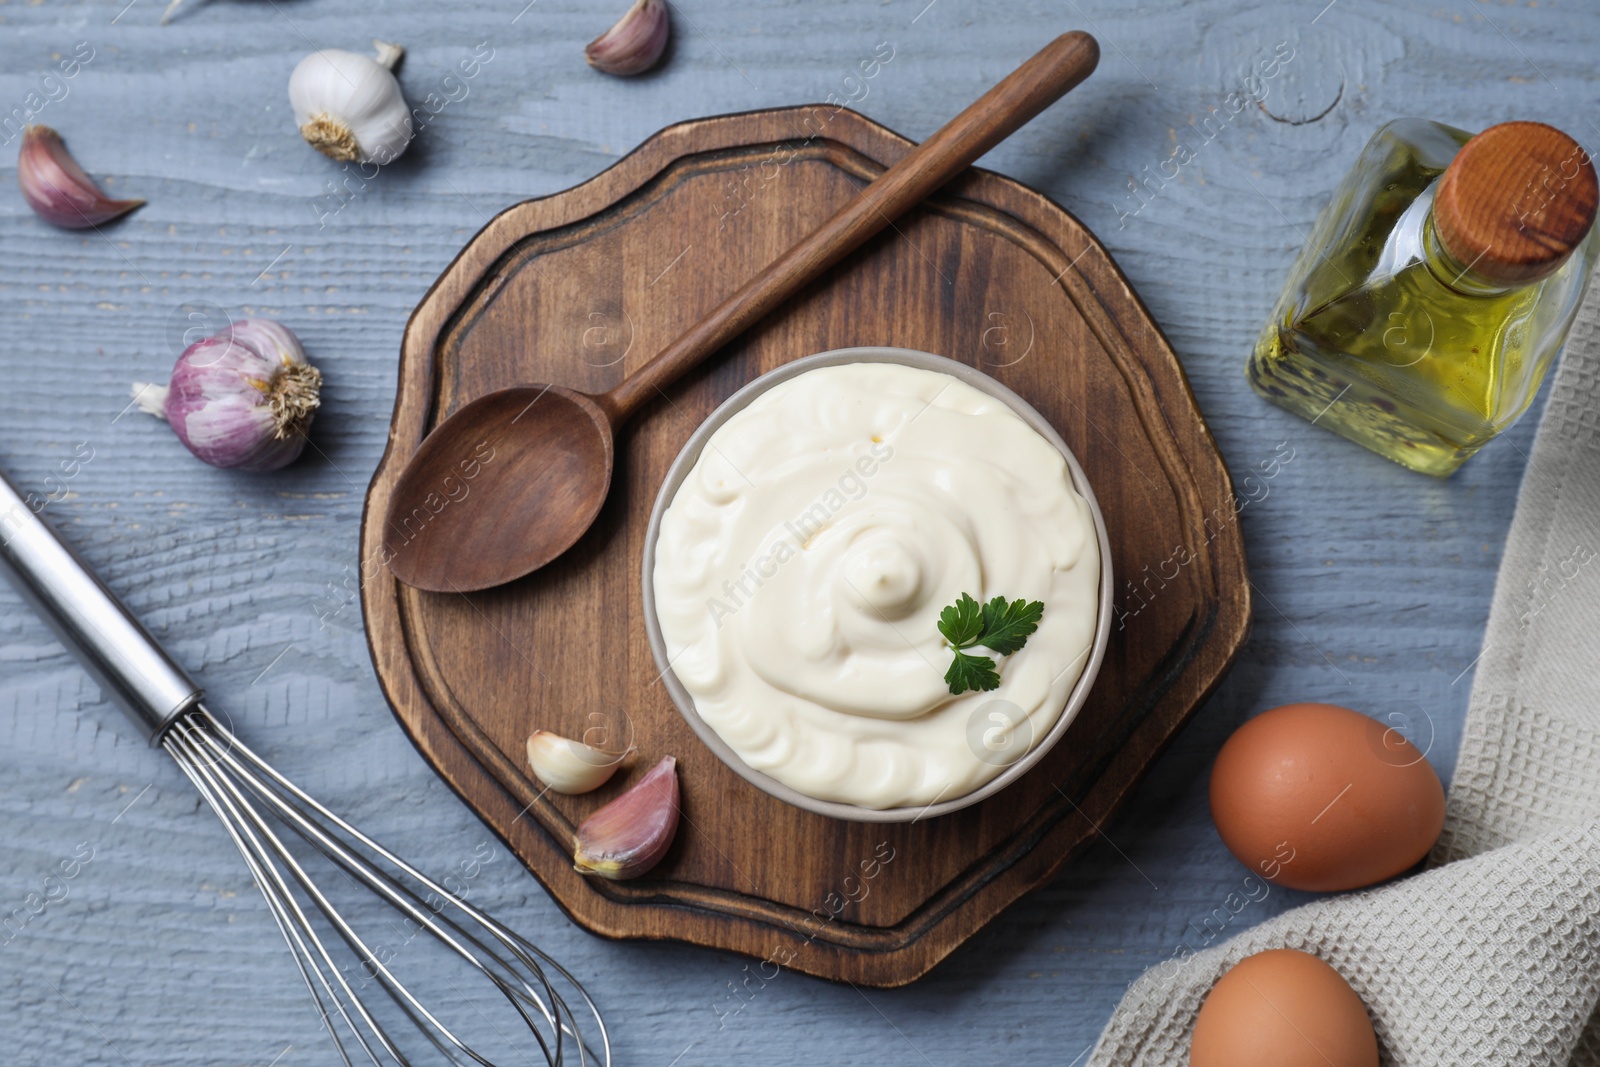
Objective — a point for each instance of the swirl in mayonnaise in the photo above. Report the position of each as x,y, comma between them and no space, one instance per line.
803,562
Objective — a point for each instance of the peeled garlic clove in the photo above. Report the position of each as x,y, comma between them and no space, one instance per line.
57,188
568,766
242,398
629,836
349,107
634,44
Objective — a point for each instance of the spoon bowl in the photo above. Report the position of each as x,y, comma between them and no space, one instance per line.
519,482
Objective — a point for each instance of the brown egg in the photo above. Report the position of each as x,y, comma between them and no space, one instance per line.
1319,797
1283,1008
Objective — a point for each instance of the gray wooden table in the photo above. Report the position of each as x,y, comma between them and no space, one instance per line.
1372,583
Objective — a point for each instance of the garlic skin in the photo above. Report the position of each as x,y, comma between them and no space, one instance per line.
349,107
571,767
57,188
242,398
629,836
635,43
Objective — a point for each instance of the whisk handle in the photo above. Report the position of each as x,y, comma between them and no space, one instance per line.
91,622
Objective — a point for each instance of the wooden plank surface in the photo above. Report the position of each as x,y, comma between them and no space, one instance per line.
1372,583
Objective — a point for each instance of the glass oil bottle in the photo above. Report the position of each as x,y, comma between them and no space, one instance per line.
1436,288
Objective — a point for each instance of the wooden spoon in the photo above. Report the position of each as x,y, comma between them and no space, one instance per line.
538,458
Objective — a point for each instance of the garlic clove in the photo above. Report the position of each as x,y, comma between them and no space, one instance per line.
629,836
57,188
242,398
349,107
568,766
635,43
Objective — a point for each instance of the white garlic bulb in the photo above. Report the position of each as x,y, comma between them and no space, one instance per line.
349,106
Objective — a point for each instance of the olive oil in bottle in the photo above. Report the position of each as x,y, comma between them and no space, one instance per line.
1436,288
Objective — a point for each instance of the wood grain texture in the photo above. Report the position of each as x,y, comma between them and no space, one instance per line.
1019,97
471,675
1516,201
1372,584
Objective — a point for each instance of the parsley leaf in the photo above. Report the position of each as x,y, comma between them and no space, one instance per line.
1000,626
1007,627
962,622
971,672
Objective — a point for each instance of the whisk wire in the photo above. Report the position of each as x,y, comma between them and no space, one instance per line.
232,779
216,756
180,743
306,825
531,956
411,905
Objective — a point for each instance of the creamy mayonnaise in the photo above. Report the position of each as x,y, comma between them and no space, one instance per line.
802,565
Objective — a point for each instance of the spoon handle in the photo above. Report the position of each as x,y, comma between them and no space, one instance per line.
1028,90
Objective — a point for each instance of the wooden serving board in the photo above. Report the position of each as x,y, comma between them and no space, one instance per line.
580,288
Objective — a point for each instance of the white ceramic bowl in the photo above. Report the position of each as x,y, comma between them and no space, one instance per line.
685,701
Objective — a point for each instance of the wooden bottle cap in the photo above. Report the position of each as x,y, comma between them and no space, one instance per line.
1515,202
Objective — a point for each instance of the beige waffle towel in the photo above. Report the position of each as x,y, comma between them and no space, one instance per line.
1492,956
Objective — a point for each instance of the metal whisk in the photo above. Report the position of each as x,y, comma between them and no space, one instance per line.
255,803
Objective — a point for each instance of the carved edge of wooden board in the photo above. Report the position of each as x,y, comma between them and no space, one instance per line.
870,955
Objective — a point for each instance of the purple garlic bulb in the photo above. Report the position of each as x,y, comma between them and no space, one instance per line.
242,398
